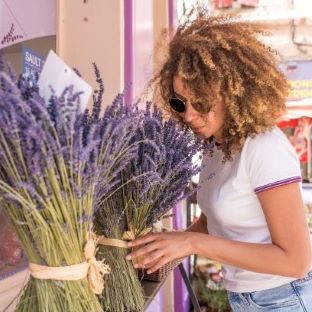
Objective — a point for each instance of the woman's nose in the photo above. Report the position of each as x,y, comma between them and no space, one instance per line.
190,114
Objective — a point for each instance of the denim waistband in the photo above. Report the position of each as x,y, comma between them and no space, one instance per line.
300,280
293,296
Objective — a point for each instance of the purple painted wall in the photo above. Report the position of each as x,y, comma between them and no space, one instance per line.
138,38
128,38
139,43
181,298
143,30
138,68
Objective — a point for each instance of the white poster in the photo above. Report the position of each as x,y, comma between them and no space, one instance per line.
56,76
22,20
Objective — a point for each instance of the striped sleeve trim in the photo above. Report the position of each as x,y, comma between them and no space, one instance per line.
277,183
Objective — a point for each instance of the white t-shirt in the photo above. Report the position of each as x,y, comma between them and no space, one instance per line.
228,197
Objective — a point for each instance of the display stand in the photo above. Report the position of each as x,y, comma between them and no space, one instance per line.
188,285
150,290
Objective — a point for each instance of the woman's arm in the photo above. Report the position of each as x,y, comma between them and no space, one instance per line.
289,254
290,251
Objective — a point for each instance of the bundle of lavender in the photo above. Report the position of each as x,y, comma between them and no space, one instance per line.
55,167
123,291
150,184
174,162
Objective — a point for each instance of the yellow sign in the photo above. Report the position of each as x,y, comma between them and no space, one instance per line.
300,89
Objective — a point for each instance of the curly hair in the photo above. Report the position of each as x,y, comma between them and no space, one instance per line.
222,58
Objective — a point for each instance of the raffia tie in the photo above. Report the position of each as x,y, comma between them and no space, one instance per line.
122,243
93,269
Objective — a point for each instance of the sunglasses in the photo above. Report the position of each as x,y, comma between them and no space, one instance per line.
177,105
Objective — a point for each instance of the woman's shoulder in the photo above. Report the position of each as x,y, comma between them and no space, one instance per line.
269,141
271,148
269,159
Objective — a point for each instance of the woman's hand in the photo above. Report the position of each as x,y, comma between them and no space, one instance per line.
157,249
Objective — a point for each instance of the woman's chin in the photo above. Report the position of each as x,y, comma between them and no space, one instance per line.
199,134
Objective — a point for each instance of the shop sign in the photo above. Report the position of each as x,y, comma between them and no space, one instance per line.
299,75
32,64
24,20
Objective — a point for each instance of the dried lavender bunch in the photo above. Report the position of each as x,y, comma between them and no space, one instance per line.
151,183
123,291
42,171
56,165
170,158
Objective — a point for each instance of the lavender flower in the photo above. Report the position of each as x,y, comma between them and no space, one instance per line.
156,175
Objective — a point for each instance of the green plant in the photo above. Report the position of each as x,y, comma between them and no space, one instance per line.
215,300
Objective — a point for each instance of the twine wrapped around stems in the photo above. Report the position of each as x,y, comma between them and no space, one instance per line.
92,268
121,243
127,236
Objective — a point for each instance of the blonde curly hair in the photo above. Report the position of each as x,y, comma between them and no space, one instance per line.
222,58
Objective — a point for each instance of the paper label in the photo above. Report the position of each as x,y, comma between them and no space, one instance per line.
57,76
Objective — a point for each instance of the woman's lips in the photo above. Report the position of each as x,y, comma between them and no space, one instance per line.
196,129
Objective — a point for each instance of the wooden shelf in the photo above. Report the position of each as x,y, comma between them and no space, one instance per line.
12,280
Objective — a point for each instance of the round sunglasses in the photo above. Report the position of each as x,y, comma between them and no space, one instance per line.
177,105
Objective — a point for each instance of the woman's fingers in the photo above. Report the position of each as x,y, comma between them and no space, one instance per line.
158,265
149,260
142,240
142,251
158,250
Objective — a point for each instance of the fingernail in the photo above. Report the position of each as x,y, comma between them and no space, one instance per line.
149,271
129,244
128,257
136,266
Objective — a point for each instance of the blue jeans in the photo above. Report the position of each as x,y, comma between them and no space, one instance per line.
292,297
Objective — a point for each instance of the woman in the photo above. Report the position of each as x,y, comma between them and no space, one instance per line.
224,84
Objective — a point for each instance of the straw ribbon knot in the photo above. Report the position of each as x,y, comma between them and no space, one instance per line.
122,243
91,268
131,234
97,268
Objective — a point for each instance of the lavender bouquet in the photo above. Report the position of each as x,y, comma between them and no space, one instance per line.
159,177
171,159
55,168
150,184
123,290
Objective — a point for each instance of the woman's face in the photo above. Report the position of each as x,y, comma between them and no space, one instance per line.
204,126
